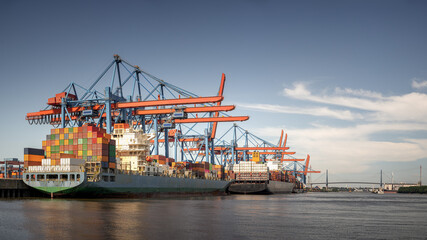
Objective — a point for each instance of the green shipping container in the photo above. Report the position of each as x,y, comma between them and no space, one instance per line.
84,140
61,142
70,130
80,141
70,142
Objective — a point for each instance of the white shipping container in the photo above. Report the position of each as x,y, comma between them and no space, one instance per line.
46,162
71,162
69,168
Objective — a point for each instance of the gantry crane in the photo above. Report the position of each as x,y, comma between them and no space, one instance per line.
162,108
134,96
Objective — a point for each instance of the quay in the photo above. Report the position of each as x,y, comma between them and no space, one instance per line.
16,188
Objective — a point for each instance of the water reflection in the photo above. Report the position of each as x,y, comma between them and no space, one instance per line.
317,216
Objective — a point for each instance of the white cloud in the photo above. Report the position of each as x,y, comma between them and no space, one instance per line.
320,111
407,107
350,149
359,92
418,83
353,149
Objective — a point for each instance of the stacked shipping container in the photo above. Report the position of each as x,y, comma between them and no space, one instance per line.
160,159
33,157
201,169
277,176
90,143
251,171
65,165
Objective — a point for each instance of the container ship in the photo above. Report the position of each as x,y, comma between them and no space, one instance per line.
257,178
87,162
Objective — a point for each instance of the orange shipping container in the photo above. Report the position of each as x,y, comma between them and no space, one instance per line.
28,157
65,155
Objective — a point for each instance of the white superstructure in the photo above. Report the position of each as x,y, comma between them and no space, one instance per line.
274,165
132,147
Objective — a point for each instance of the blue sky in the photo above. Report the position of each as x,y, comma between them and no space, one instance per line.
345,79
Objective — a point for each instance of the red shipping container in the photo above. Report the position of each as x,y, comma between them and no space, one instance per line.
92,129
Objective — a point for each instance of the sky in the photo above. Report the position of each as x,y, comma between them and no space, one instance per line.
346,80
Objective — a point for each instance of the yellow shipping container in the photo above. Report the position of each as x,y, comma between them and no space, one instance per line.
56,130
25,157
80,153
66,142
75,130
99,140
56,142
65,130
44,143
89,152
48,154
61,136
48,149
89,135
70,136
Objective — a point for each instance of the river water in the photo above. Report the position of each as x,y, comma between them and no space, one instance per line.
286,216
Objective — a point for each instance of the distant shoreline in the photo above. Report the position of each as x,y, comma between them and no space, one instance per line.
413,189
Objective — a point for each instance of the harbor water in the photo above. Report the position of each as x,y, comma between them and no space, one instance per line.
282,216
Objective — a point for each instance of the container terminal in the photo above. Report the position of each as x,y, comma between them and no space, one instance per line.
131,134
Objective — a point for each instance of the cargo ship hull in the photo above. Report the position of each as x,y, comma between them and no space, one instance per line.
125,185
267,187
